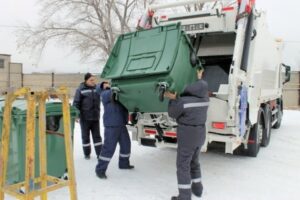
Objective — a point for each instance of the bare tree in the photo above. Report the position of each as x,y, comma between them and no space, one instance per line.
88,26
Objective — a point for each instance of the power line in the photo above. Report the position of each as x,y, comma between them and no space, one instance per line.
290,41
17,27
11,26
82,29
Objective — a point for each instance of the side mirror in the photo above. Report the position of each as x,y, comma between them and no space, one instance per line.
287,73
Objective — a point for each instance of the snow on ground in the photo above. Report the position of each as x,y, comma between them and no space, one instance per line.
273,175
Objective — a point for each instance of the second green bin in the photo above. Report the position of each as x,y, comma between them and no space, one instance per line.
56,156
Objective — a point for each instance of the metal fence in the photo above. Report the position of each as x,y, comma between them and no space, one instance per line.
291,91
41,81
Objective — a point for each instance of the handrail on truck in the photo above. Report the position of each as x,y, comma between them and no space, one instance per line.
177,4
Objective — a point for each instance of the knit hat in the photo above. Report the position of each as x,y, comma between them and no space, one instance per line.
102,84
87,76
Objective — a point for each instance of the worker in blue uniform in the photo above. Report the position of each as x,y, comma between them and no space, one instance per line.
115,119
190,112
87,101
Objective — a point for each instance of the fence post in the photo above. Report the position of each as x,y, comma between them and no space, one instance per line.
52,84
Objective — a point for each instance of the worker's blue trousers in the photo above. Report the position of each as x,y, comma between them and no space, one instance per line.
113,136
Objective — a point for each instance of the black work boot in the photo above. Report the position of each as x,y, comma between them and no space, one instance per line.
101,175
87,157
175,198
127,167
197,189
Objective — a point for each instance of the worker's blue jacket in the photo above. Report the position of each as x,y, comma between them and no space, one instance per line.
87,101
115,114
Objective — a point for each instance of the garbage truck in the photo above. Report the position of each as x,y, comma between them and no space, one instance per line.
243,68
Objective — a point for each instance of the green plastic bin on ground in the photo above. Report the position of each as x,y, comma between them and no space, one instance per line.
144,63
56,156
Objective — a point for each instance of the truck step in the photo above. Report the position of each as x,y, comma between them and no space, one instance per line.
149,142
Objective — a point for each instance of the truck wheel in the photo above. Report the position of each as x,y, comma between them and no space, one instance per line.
266,135
255,136
278,115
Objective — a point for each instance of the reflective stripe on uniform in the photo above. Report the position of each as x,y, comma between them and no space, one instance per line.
195,105
184,186
86,145
104,158
124,155
196,180
85,91
98,144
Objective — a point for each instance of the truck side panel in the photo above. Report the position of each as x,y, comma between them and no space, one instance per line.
264,71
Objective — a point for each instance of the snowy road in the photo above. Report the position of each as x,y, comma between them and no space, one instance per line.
273,175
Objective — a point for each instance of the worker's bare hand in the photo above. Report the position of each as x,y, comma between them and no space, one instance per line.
200,74
171,95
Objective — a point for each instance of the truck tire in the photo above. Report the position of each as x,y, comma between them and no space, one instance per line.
255,135
266,135
278,115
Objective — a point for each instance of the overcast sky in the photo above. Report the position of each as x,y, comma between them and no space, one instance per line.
282,20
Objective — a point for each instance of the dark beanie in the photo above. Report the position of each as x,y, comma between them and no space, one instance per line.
87,76
102,84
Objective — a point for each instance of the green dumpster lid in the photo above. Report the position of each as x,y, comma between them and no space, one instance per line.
144,52
20,107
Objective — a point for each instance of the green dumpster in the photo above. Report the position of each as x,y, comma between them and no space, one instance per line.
144,64
56,158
